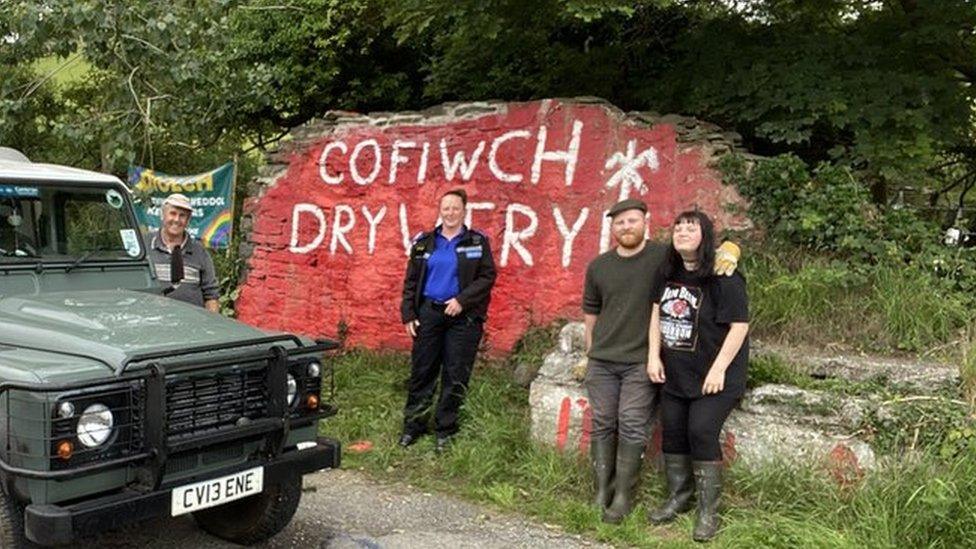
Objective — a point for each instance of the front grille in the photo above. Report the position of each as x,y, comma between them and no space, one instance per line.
187,461
204,402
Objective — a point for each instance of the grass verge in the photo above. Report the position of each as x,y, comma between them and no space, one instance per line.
924,501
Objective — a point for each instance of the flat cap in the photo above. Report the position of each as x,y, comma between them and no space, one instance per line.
178,201
628,204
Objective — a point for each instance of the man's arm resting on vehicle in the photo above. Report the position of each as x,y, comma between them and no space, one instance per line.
212,305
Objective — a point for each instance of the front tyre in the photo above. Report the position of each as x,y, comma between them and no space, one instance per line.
255,518
12,524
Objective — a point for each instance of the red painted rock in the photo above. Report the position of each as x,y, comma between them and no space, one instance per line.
359,447
844,466
329,233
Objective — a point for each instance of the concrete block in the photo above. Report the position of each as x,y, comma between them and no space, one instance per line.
572,338
561,415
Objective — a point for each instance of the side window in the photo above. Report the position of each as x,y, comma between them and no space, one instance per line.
18,226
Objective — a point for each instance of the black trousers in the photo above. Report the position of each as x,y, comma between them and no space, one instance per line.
692,425
445,348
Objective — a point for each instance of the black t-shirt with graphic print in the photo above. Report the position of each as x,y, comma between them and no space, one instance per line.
695,317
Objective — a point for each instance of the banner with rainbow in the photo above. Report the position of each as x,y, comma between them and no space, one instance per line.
211,194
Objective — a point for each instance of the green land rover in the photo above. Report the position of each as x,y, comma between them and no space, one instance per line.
118,404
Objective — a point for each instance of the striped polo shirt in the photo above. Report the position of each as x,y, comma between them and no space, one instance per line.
199,282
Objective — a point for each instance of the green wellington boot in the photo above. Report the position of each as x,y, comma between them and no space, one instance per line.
708,485
681,487
625,479
603,454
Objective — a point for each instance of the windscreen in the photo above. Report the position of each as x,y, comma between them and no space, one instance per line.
54,222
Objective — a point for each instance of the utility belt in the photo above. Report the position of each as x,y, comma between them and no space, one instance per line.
439,306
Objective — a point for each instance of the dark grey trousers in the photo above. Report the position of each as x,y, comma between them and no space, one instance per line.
622,399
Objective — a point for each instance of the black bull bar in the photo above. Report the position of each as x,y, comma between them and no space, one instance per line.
275,427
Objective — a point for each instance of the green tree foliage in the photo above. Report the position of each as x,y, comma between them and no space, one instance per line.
883,87
183,84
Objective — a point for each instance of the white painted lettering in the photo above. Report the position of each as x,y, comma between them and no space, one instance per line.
472,206
373,222
396,159
513,238
323,159
405,229
570,156
422,171
296,214
451,166
605,233
339,229
493,156
354,157
569,235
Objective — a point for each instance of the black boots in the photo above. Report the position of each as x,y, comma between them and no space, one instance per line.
681,486
708,485
603,453
625,479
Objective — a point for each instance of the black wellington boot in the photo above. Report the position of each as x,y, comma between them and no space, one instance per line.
625,479
681,486
708,485
603,454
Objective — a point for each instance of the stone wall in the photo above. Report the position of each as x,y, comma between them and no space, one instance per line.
330,218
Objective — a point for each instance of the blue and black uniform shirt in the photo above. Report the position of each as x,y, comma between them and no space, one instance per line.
442,282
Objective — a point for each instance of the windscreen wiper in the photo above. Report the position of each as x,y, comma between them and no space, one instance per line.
82,258
16,252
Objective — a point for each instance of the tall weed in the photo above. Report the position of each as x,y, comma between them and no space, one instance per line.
811,299
917,310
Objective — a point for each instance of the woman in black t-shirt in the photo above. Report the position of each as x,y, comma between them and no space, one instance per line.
699,349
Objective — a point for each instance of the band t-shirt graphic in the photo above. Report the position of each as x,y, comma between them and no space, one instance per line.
695,316
679,316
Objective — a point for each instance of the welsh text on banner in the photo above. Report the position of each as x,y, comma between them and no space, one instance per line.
211,194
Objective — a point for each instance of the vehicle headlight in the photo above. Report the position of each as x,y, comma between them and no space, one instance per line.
66,410
95,425
292,389
314,369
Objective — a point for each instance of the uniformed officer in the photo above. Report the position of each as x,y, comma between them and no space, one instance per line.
446,291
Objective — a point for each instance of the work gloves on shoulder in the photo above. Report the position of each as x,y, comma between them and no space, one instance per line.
727,258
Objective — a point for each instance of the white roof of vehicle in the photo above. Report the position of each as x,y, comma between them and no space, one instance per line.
16,167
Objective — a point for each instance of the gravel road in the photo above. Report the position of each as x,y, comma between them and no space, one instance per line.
346,509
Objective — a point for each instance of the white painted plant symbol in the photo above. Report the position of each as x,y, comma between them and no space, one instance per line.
628,165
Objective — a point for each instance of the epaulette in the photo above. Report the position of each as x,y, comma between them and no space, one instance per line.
417,244
476,237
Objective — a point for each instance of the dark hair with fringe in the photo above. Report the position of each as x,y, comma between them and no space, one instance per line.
458,193
673,263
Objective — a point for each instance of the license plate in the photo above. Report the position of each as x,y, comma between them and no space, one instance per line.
216,491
